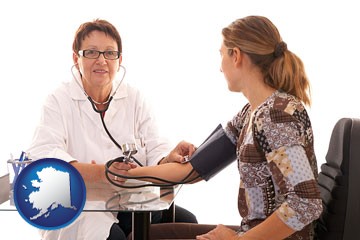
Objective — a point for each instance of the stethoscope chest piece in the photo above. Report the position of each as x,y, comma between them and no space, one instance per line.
129,149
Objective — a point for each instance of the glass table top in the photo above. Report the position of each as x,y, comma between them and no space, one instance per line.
132,197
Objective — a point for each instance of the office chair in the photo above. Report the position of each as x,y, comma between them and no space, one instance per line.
339,183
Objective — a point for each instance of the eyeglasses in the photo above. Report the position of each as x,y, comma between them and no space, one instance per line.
94,54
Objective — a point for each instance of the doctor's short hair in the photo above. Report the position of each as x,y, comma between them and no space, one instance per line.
97,25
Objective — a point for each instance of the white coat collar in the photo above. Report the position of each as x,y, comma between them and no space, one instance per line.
77,92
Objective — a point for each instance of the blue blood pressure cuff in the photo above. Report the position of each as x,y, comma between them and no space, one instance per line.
214,154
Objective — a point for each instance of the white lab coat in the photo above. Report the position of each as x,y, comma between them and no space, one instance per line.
70,130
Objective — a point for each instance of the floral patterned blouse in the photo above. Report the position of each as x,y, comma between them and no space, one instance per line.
277,164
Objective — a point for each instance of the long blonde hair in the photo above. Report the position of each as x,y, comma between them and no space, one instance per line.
258,37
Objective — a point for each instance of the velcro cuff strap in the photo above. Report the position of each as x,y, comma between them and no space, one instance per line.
214,154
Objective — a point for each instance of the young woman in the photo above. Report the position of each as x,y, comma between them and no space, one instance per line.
272,138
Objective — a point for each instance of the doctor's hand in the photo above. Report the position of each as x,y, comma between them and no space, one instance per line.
120,168
180,153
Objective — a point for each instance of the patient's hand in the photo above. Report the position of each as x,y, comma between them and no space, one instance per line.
221,232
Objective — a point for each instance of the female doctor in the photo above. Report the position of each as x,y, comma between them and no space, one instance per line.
77,115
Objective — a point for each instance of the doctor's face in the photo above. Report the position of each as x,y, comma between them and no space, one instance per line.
98,70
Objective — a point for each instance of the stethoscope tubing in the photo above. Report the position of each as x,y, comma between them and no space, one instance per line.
121,159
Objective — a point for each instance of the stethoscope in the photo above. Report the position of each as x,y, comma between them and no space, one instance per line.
93,102
127,154
101,112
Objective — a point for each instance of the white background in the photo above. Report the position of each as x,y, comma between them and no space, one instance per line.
171,51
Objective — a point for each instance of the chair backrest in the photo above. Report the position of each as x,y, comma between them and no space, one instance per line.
339,183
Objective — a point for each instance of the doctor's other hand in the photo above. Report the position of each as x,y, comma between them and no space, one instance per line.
180,153
120,168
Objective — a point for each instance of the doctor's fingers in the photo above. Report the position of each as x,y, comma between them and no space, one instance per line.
122,166
120,175
120,169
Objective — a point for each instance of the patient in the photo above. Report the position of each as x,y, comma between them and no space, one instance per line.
271,138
